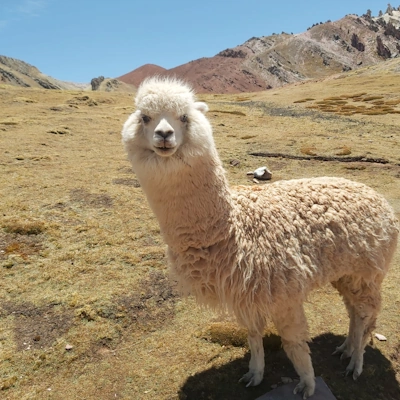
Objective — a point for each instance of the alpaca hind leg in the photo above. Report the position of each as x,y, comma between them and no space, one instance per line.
347,347
365,319
257,363
355,365
292,327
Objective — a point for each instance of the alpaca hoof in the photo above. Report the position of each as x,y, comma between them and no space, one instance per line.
252,378
307,390
356,374
344,356
350,368
343,351
337,351
354,368
357,371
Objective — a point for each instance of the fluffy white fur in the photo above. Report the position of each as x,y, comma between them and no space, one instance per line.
258,251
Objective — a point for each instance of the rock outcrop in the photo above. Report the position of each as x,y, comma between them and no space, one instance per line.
96,82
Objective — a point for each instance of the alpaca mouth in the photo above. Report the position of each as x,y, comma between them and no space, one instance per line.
164,145
164,148
164,151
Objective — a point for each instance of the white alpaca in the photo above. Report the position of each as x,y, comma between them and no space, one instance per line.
258,251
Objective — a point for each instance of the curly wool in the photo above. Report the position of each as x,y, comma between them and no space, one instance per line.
158,94
286,239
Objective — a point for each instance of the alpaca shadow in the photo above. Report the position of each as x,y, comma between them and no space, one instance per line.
378,380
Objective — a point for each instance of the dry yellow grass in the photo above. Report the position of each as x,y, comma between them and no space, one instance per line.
82,261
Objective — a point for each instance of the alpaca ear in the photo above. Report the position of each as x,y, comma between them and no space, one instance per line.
199,105
130,125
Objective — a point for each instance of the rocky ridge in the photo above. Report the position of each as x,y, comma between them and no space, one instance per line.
19,73
272,61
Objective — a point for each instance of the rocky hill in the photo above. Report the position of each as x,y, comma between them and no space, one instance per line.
273,61
110,85
19,73
392,15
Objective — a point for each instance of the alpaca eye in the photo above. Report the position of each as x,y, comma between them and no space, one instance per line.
146,119
184,118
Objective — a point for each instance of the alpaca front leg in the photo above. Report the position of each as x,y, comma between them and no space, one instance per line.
257,363
299,354
292,327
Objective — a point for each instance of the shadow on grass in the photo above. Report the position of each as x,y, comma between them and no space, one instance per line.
377,382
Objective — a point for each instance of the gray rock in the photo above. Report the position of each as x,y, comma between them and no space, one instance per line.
285,392
95,82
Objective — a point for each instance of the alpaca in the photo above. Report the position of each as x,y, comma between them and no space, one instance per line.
257,251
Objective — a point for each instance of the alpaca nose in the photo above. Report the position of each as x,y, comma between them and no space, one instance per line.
163,130
164,134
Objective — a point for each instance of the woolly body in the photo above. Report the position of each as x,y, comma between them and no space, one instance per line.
258,251
270,254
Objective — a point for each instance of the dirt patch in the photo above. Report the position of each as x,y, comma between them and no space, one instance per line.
90,199
152,304
20,245
149,307
37,327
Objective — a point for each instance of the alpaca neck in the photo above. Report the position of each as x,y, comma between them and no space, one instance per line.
193,206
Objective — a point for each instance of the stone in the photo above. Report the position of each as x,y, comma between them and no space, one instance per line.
285,392
380,337
263,174
96,82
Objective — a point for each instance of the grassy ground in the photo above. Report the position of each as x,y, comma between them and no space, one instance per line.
87,311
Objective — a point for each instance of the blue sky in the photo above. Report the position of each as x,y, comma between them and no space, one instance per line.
78,40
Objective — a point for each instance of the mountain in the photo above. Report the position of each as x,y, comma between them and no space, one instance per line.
19,73
273,61
258,64
136,76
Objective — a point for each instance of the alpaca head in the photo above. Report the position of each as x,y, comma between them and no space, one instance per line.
168,123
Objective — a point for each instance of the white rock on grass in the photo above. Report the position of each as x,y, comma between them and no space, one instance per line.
380,337
262,173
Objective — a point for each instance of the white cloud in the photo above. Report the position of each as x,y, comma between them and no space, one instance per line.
20,10
31,8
